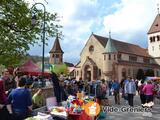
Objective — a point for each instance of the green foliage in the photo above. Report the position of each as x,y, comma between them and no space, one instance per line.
59,69
15,16
2,67
12,59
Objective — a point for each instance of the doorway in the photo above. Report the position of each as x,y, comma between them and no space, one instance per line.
88,75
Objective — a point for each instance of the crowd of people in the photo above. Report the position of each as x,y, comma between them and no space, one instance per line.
147,90
16,100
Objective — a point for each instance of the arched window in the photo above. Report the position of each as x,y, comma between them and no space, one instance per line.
91,48
158,38
151,39
109,56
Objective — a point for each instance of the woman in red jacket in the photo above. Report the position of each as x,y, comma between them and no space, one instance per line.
4,115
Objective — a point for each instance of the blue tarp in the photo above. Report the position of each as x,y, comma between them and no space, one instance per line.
152,78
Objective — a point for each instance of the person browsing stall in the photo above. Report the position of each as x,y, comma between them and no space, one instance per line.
20,101
130,90
37,98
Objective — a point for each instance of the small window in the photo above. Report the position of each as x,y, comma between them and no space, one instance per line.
157,73
104,57
158,38
57,56
91,48
119,56
153,39
114,57
61,59
156,25
146,60
133,58
53,55
109,56
152,48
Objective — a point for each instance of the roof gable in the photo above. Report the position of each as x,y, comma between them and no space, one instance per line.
90,38
155,26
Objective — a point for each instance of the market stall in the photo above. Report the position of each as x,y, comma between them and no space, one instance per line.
30,68
72,109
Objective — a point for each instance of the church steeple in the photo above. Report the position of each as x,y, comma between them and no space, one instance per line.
110,58
56,53
56,47
110,48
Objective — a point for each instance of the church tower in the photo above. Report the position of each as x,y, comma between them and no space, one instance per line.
110,58
56,53
154,39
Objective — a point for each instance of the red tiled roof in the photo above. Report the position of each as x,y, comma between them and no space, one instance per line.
155,26
124,47
139,64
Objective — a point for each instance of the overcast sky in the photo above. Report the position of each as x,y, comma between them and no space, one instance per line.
128,20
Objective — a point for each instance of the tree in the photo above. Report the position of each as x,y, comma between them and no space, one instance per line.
140,74
15,15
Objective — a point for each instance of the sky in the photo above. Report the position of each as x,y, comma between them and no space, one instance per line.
128,21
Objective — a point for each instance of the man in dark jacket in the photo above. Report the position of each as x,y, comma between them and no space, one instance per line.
56,87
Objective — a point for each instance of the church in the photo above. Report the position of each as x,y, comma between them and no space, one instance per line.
107,58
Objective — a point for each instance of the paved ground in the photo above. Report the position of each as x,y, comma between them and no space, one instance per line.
154,114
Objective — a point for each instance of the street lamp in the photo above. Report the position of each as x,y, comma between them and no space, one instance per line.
33,23
43,37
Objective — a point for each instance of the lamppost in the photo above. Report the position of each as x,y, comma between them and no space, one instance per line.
43,37
13,26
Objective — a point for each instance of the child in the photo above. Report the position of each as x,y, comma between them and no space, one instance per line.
103,103
37,99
